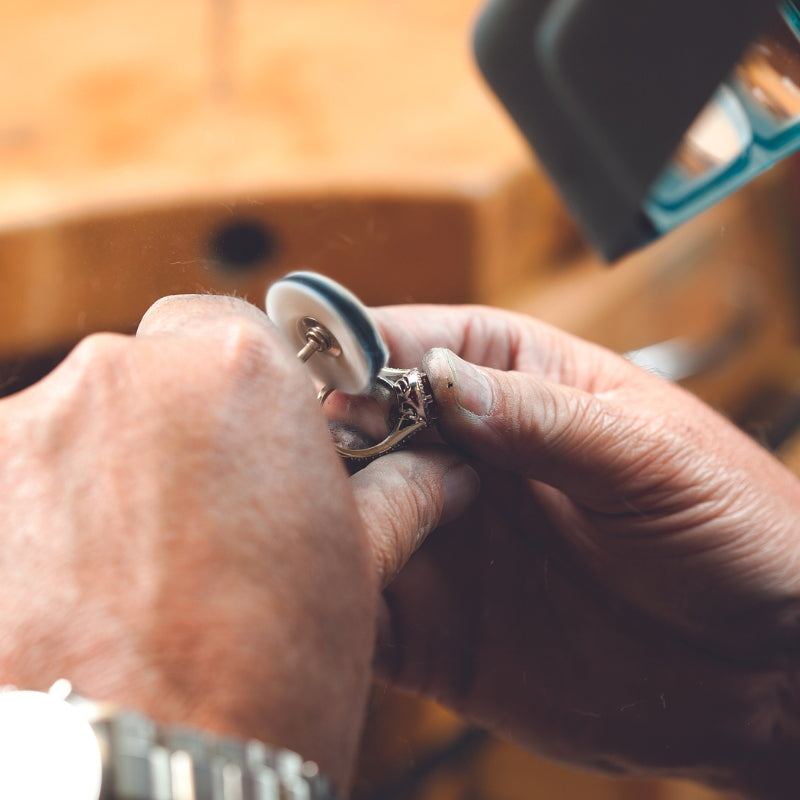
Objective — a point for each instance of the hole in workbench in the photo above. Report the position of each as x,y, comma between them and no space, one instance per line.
242,245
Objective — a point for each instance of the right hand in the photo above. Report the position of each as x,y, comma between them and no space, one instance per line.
180,538
626,594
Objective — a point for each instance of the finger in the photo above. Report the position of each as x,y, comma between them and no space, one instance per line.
404,496
183,313
585,445
499,339
226,328
412,614
410,331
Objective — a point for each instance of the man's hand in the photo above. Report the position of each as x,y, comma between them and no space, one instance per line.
626,593
179,535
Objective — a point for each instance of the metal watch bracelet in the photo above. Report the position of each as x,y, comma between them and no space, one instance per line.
144,760
155,762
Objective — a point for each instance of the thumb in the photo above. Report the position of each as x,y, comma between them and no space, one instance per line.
581,444
404,496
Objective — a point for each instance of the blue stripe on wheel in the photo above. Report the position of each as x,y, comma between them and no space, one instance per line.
362,325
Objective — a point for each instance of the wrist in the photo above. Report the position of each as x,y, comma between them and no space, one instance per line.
297,679
62,744
301,712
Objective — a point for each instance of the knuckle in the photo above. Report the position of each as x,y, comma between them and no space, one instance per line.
164,303
178,310
247,349
93,376
386,559
96,355
98,346
171,306
522,411
414,503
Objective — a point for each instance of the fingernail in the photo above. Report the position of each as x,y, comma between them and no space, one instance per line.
473,392
461,485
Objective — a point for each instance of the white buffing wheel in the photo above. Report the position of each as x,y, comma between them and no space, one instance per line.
363,355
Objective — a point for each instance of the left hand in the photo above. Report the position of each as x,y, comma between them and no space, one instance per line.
624,595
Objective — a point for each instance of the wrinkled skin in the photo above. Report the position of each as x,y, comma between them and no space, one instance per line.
625,592
181,538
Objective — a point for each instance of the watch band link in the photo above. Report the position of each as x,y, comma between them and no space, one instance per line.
147,761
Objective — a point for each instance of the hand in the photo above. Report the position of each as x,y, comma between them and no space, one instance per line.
181,538
626,594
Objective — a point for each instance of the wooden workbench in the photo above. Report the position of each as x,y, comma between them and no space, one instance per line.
355,135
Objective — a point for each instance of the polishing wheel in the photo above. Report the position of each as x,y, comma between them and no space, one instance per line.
305,304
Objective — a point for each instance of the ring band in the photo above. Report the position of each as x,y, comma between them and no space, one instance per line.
413,411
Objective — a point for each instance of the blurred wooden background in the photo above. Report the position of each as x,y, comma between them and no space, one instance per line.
148,148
